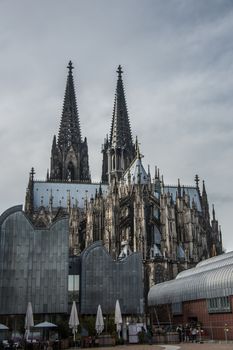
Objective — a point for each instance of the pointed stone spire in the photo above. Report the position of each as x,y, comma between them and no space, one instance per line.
220,237
213,212
197,179
183,190
203,189
171,199
29,201
162,181
156,172
138,154
120,135
119,151
54,142
69,156
148,167
179,189
100,190
204,202
69,132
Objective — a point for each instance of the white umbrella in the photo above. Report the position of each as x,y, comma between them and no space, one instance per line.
29,322
74,321
45,325
3,327
118,317
99,322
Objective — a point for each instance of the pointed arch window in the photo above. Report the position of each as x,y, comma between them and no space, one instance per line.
70,171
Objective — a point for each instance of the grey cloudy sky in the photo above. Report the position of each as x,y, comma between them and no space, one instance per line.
177,57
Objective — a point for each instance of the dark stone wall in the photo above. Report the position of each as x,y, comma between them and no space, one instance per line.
104,280
33,265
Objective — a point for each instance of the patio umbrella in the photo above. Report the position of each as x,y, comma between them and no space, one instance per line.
45,325
99,322
118,317
74,321
3,327
29,322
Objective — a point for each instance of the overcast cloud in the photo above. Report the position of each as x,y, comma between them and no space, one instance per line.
177,58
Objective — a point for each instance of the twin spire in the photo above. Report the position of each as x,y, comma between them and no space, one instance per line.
118,151
69,156
120,134
69,131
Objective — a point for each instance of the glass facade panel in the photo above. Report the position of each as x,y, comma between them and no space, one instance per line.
177,309
73,283
218,305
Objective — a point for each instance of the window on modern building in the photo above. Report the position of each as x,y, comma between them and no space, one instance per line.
177,309
217,305
73,283
73,288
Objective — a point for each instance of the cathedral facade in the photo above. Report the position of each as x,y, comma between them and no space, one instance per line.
131,209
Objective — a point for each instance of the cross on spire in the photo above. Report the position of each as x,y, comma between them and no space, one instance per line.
197,179
119,71
32,173
70,67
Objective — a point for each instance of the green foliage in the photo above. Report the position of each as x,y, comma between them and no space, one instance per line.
119,341
110,327
88,322
63,329
141,337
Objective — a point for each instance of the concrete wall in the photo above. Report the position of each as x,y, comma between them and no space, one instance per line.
33,265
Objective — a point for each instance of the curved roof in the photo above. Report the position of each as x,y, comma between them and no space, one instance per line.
209,279
208,264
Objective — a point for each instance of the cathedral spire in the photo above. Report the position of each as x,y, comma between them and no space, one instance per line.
119,151
120,135
69,156
69,131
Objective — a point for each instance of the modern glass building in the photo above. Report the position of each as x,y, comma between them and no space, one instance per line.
203,295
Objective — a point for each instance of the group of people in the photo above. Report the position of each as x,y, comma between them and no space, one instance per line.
189,333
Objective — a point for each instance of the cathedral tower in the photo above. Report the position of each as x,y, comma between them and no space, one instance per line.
118,151
69,155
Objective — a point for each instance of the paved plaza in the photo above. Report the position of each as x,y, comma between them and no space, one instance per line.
182,346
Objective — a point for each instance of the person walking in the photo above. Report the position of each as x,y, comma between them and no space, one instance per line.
194,334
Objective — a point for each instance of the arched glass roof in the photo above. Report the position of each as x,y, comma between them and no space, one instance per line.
210,280
209,264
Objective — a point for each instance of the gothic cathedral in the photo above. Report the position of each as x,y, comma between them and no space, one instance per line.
130,210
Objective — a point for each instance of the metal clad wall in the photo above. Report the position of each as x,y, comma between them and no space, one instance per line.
33,266
104,280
